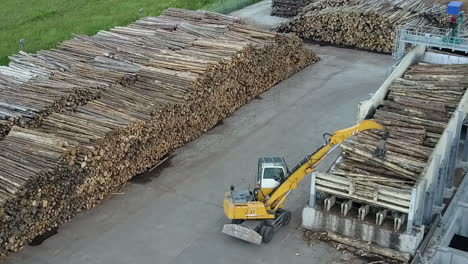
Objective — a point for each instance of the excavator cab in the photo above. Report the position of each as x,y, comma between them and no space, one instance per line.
272,172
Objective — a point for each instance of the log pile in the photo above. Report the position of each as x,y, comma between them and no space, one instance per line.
5,127
133,94
363,24
415,114
288,8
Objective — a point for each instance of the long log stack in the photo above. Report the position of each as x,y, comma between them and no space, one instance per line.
46,85
133,94
288,8
415,114
363,24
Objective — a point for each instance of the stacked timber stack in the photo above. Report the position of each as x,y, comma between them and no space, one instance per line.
5,127
99,110
363,24
288,8
415,114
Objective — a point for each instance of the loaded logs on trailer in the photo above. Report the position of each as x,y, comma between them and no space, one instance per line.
415,113
140,91
363,24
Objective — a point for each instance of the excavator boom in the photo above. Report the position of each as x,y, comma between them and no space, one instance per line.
314,159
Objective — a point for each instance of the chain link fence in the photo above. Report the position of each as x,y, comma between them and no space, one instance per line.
228,6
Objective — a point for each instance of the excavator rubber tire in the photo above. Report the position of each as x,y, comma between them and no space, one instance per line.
286,218
267,233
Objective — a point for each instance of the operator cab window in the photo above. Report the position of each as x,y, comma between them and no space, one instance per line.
276,174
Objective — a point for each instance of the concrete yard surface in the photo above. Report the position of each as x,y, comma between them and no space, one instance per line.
259,14
175,215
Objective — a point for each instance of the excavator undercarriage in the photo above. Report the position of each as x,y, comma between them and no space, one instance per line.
258,231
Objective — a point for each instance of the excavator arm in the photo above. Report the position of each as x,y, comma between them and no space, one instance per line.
255,220
280,194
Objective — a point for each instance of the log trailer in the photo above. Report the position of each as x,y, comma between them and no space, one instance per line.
257,214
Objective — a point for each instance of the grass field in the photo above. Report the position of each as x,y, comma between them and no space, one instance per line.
44,23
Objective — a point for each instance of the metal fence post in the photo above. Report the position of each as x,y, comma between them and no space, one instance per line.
440,185
428,206
465,142
430,195
312,191
451,145
420,205
21,43
453,155
412,211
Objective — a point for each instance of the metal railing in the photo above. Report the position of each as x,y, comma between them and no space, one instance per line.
228,6
428,36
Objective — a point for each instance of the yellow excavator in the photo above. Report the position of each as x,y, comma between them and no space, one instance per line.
256,215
